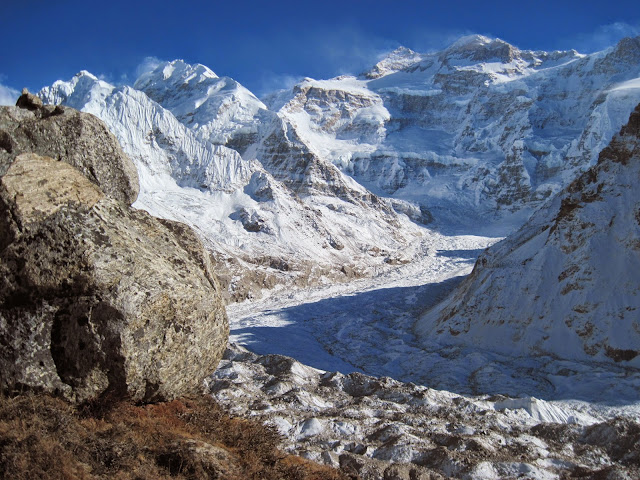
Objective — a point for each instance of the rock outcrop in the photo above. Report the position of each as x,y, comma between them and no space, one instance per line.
78,139
96,298
567,283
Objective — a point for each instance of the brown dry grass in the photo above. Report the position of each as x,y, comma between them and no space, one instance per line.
46,438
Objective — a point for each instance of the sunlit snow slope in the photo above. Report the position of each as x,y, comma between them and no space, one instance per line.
567,284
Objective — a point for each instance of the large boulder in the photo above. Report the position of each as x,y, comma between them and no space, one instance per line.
77,138
97,298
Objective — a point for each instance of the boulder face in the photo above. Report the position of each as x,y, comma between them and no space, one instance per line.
566,284
97,298
77,138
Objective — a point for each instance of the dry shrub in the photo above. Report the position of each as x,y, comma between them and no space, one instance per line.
45,437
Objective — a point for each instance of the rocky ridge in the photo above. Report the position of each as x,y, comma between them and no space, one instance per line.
96,298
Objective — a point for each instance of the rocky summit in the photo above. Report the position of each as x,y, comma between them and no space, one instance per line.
96,298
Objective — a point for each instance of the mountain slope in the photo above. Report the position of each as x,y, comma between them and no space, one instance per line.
259,228
479,127
567,283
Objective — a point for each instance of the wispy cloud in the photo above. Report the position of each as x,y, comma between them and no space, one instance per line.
8,95
147,65
433,40
349,50
321,52
272,82
604,37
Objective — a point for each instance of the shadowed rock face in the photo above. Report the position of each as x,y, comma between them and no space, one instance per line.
96,297
79,139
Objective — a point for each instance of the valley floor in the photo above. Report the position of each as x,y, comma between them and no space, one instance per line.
366,326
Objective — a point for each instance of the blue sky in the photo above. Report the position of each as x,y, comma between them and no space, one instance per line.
269,44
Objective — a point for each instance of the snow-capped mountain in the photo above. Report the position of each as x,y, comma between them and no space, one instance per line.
222,111
478,127
341,175
567,283
259,229
219,110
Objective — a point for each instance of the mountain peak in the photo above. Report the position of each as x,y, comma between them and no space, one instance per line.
479,48
176,72
85,73
398,59
470,40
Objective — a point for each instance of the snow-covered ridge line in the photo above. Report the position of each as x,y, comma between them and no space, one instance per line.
524,123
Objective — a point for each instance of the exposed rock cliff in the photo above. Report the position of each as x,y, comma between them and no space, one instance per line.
567,283
95,296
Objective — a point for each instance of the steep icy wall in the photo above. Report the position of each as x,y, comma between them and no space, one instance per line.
151,135
478,127
567,283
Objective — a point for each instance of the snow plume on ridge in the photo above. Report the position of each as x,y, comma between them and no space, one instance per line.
271,82
340,50
149,64
434,40
605,36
